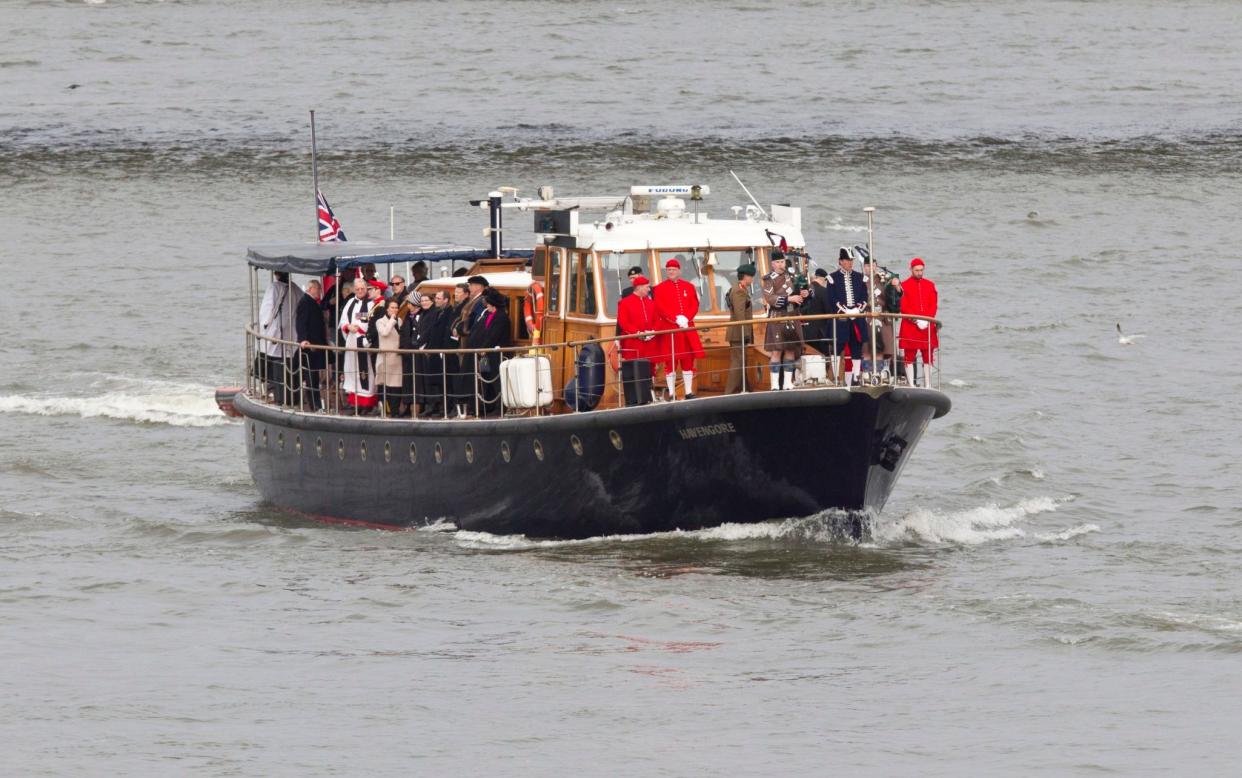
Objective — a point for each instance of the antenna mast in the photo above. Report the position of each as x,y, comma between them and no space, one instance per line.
751,196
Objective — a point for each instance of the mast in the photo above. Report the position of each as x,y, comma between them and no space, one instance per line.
493,206
315,173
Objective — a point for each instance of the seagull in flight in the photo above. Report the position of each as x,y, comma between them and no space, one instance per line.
1127,340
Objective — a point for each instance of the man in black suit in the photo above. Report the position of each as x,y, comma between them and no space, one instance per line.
433,334
311,331
849,295
816,332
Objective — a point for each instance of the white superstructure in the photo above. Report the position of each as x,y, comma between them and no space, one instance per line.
655,217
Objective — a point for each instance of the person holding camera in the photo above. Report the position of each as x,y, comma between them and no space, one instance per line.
885,297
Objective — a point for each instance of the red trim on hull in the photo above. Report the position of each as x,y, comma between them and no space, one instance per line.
344,522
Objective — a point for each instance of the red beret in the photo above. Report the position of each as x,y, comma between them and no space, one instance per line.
673,263
916,262
640,281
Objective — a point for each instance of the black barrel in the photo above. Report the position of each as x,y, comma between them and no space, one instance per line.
636,381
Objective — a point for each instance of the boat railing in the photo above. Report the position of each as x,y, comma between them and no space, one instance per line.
457,383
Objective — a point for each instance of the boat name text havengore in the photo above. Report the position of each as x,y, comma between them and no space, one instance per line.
709,429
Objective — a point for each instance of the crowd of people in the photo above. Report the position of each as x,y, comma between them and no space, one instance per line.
397,321
363,314
786,295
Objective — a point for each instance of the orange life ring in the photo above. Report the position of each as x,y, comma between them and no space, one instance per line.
533,310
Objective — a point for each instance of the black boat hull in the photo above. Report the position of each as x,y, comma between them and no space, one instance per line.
684,465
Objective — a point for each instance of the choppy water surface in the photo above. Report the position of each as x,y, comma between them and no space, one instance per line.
1053,588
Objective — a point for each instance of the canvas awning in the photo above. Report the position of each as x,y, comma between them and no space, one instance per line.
327,258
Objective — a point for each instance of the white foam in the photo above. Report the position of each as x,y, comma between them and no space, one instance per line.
969,527
1072,532
837,226
960,384
812,529
1203,621
143,400
439,525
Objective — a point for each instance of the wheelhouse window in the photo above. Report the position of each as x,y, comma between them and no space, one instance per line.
553,283
582,283
690,261
721,271
614,273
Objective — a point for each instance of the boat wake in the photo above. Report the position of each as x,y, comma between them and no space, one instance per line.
970,527
127,399
974,526
825,528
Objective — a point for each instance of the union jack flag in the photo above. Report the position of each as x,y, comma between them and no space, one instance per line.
329,228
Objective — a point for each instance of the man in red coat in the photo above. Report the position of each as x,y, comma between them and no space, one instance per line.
676,305
918,298
636,316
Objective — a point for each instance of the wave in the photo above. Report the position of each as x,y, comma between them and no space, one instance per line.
974,526
39,151
967,527
143,400
829,527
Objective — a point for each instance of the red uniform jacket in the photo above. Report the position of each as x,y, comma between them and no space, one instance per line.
918,298
636,314
673,299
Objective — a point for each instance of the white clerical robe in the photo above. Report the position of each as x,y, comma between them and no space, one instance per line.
356,381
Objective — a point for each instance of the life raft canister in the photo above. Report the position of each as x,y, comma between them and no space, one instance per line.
533,310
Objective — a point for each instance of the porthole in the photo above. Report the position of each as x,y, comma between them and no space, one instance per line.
469,454
340,449
319,447
265,437
505,453
615,437
362,451
413,454
297,444
439,454
280,441
576,443
387,451
538,450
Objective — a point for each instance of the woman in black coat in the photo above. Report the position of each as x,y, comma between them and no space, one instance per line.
426,370
492,331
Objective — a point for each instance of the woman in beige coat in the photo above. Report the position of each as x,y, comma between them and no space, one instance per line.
388,362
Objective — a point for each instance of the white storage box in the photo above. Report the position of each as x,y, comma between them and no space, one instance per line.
526,382
814,369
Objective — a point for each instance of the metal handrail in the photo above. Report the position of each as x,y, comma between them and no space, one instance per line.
523,349
288,387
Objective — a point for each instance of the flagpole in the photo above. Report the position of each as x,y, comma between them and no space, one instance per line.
315,173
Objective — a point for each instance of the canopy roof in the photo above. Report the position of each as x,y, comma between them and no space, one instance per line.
327,258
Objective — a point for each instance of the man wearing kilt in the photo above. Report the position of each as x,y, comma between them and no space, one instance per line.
782,339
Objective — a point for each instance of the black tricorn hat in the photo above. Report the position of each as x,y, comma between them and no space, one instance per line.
480,280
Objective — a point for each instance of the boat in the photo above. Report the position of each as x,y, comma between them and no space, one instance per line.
573,451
